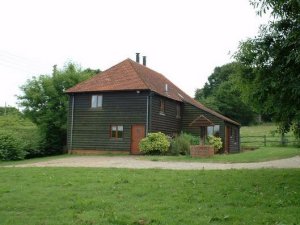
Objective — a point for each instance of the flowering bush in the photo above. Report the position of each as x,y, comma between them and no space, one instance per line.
216,142
154,143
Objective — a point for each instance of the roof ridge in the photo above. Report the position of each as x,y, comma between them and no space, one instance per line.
131,61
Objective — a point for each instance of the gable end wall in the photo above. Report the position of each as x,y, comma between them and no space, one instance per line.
91,127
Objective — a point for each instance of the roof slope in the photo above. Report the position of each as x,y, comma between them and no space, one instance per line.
130,75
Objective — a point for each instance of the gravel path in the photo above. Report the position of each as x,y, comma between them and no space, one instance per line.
136,163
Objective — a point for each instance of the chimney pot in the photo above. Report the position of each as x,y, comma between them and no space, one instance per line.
137,59
144,61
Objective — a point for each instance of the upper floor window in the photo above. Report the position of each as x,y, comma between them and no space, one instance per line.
162,106
96,101
178,111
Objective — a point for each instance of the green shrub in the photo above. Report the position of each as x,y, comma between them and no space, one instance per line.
11,148
193,140
25,131
181,144
32,147
216,142
154,143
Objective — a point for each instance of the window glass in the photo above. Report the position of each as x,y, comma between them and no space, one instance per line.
99,102
217,130
116,131
210,130
96,101
120,132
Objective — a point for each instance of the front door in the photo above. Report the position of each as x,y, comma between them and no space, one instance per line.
137,133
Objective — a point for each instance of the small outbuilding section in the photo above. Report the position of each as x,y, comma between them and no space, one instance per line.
114,110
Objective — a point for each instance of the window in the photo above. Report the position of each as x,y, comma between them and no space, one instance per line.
116,131
96,101
162,106
178,111
213,130
210,130
217,130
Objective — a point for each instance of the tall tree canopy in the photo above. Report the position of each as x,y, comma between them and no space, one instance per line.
274,56
46,104
222,94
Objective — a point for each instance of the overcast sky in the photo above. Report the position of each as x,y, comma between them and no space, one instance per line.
182,39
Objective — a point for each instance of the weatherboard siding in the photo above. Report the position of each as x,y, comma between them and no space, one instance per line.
167,122
191,112
91,127
234,142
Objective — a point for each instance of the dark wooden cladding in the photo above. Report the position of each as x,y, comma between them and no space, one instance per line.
166,122
191,112
234,138
91,126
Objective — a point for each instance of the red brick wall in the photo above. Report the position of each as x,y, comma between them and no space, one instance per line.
201,151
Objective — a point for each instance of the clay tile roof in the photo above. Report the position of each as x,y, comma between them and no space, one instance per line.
130,75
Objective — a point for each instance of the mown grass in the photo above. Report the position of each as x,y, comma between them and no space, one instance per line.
259,130
253,136
52,196
258,155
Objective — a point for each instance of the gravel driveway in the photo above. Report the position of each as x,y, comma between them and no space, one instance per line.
135,162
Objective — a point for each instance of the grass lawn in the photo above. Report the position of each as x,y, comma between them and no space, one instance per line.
55,196
259,130
254,136
258,155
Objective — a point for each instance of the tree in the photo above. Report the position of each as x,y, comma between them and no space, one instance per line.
222,94
46,104
9,110
274,56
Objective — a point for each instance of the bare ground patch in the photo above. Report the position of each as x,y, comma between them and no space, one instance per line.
134,162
